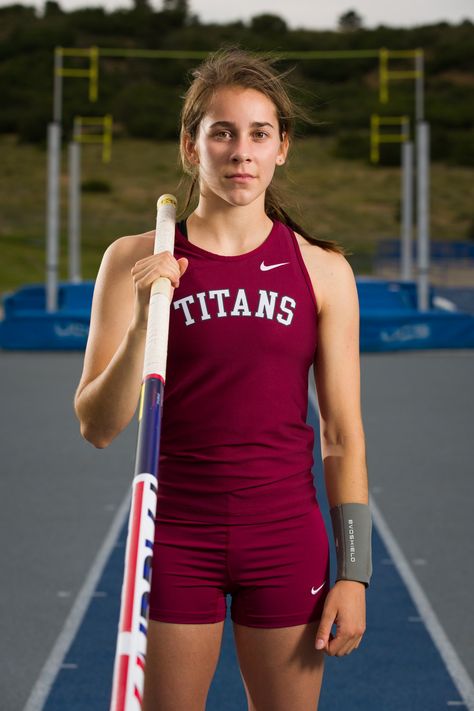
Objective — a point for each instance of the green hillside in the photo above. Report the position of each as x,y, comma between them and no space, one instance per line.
348,201
333,189
340,93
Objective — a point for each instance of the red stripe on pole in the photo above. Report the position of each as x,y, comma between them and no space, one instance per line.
126,623
154,375
122,682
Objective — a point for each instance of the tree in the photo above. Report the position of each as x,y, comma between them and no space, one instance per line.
52,8
181,6
268,23
350,21
142,6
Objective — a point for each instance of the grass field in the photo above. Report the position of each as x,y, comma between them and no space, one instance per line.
351,202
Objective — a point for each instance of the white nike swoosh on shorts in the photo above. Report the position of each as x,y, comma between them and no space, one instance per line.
265,267
313,591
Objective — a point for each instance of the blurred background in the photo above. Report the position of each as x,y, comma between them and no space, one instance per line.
63,503
332,184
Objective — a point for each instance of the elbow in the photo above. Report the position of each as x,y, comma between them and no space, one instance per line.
345,434
92,436
341,444
89,431
97,430
96,434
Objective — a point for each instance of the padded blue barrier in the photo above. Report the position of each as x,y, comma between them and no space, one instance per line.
444,251
28,326
389,319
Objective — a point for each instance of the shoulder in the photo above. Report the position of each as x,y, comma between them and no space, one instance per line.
133,244
126,251
330,272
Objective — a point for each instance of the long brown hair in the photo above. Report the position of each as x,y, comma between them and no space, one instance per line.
233,66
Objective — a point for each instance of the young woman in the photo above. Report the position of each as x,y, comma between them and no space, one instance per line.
256,303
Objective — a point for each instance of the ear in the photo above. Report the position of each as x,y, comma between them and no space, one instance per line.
190,149
284,145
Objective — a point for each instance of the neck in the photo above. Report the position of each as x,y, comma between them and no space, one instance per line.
228,229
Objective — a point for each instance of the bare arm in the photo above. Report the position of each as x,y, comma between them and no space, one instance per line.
108,392
337,377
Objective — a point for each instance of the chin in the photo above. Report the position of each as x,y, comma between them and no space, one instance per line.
241,198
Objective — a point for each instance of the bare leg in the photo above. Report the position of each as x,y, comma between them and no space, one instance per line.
280,667
180,664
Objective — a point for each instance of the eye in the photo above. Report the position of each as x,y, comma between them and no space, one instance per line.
260,134
222,134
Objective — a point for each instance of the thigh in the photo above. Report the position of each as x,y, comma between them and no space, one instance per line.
280,667
188,573
280,570
180,663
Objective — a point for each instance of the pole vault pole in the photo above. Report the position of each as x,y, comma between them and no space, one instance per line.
129,668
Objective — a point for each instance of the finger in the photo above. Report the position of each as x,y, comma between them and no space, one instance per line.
335,646
345,645
152,270
349,649
183,264
164,258
324,629
140,273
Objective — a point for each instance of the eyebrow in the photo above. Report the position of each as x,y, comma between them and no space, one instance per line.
229,124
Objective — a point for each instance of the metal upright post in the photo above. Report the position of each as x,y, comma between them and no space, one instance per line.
53,195
423,215
419,86
407,212
422,183
74,224
52,218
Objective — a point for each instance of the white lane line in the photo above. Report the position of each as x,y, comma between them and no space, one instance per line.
448,653
55,661
418,561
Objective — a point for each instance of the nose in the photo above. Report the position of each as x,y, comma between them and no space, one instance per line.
241,151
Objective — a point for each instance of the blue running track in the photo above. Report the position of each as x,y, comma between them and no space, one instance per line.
396,668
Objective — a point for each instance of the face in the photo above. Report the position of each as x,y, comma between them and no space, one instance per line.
238,145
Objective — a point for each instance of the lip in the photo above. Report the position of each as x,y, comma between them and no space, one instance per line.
241,177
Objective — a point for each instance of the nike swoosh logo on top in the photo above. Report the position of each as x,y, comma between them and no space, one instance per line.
266,267
313,591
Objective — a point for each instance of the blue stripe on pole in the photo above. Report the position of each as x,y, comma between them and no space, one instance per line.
148,447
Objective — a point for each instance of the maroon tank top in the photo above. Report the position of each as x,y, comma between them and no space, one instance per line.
235,446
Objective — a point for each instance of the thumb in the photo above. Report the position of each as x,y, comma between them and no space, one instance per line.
183,264
324,630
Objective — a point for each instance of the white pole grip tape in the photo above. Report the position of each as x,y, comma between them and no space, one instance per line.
156,345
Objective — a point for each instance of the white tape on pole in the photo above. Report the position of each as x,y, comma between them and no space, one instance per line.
156,347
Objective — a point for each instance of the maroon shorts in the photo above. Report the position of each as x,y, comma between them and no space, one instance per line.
277,573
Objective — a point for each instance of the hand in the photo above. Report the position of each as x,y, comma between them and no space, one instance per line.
145,272
344,605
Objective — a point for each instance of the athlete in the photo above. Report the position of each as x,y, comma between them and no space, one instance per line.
256,303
